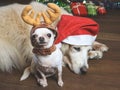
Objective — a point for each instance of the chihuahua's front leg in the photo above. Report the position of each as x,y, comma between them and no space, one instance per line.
60,82
43,81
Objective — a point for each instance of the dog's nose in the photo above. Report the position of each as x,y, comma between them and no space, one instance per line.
83,70
41,39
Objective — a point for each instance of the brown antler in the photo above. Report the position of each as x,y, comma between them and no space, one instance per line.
29,18
53,14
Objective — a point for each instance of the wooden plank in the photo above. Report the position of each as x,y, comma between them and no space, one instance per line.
109,36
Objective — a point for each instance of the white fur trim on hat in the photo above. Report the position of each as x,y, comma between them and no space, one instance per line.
80,40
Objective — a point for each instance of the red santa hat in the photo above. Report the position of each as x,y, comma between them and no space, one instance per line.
76,30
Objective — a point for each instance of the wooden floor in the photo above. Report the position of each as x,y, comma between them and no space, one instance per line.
103,74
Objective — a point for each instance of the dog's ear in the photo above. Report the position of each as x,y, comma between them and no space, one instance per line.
55,33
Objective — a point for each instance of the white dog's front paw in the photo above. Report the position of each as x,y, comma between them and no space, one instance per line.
60,83
95,54
100,47
104,48
43,82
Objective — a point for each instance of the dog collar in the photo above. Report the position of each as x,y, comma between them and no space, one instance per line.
42,51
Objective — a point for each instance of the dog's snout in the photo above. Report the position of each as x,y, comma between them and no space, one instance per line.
83,70
41,39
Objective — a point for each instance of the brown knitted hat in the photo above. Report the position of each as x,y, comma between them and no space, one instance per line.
50,27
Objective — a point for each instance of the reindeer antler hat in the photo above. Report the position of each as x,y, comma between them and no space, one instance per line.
53,12
28,17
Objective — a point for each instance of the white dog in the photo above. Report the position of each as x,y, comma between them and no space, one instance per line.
47,57
15,45
77,56
45,64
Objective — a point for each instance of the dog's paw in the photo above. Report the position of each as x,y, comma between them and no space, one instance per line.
100,47
104,48
42,82
60,83
95,54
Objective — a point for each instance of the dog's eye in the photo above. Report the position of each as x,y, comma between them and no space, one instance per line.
34,36
77,48
49,35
